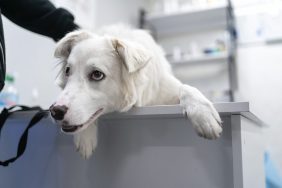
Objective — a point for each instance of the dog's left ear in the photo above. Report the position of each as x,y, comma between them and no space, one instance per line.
134,55
65,45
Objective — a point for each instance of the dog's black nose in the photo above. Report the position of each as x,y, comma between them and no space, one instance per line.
58,112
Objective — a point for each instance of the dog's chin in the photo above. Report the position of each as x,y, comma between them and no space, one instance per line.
74,129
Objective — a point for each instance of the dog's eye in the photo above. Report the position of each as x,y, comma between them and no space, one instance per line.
96,75
67,71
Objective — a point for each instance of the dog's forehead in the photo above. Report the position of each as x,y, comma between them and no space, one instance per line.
97,47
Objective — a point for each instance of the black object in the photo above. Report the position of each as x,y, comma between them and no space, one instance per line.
2,56
23,140
39,16
142,21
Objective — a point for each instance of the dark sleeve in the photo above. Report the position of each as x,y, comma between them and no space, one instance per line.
39,16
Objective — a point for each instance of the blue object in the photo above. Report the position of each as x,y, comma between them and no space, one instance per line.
272,177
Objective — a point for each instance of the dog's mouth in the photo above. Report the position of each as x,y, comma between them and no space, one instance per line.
66,128
70,128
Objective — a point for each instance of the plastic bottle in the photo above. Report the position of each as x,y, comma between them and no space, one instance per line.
9,95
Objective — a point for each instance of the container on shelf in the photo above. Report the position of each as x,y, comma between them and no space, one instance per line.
9,95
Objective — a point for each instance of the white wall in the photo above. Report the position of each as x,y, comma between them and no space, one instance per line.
260,83
31,57
117,11
260,66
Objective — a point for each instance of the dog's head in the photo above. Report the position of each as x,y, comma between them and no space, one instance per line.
98,76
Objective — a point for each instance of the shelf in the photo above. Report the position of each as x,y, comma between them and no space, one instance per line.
222,57
161,111
176,111
276,40
214,17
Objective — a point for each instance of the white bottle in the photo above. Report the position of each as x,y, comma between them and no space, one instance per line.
9,95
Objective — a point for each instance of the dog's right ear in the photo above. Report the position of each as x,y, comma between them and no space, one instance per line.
65,45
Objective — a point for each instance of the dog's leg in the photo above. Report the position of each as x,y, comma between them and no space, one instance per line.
201,112
86,141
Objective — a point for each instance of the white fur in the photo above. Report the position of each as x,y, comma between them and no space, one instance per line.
137,74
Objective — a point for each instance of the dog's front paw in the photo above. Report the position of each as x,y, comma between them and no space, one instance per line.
86,141
202,114
205,120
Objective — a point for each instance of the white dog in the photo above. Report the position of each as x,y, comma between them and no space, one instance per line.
114,70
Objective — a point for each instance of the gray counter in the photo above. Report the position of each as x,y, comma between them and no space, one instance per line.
148,147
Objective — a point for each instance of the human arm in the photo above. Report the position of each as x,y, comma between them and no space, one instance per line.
39,16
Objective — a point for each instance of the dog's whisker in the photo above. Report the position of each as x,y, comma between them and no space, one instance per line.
59,73
57,63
